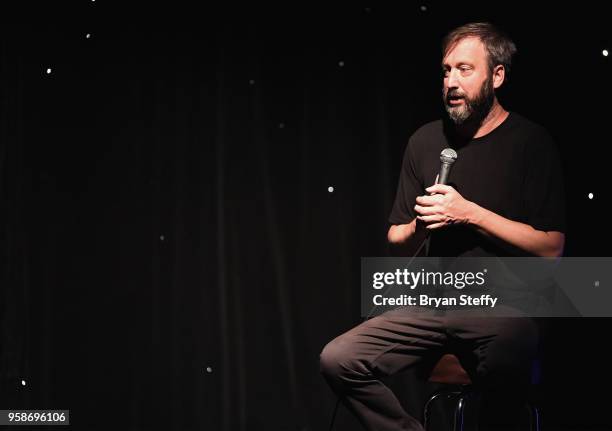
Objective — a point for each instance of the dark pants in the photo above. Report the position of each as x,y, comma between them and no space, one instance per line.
497,353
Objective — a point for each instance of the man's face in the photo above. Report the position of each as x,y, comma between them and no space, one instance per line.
468,87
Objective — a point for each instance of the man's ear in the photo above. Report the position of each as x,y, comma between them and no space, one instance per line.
499,76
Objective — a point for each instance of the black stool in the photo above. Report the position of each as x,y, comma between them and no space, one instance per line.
448,370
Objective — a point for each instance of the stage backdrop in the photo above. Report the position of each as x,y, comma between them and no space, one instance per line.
185,195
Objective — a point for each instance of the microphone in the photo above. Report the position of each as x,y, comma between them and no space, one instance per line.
448,156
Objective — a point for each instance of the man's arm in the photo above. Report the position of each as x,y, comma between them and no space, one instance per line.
517,234
448,207
406,239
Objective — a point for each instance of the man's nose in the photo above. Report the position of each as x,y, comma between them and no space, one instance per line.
451,79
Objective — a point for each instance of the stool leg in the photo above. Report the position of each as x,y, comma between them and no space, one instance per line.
459,410
427,412
463,401
534,417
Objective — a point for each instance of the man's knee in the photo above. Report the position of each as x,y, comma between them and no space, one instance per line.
337,358
330,358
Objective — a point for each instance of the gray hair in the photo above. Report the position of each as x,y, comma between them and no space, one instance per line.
499,47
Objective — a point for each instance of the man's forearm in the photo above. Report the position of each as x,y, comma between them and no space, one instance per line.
405,239
517,234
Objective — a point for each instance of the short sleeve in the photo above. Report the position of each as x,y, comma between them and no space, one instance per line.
409,187
544,191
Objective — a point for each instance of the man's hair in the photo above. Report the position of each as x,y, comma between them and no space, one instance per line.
498,45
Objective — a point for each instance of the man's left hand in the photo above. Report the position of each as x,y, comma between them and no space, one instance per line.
444,207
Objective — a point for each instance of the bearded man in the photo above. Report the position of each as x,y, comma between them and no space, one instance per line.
504,198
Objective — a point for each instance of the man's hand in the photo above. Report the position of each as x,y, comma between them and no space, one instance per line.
445,207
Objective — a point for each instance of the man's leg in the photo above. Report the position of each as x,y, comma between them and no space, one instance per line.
354,362
498,353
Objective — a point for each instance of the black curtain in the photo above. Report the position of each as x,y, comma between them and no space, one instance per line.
186,194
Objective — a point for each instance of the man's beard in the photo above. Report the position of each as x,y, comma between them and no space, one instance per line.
475,109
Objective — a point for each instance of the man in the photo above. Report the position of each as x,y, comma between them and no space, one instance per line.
505,198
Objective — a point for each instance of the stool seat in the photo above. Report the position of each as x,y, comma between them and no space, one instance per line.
448,370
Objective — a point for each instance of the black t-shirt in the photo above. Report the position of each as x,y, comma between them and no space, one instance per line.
514,171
